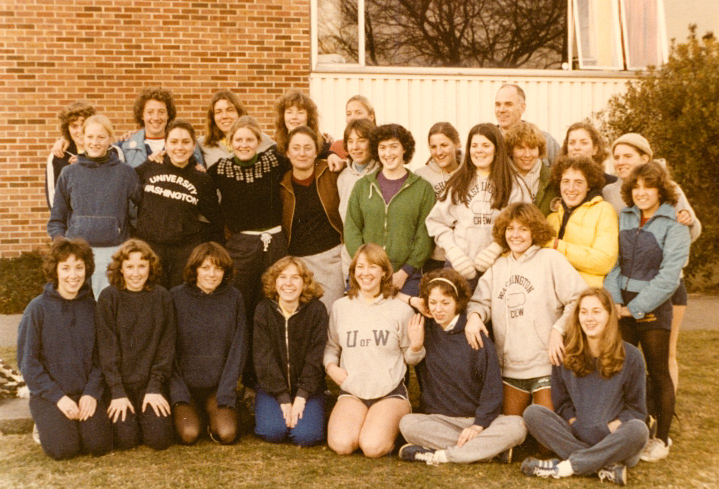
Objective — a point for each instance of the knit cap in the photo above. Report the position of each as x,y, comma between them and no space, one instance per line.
636,140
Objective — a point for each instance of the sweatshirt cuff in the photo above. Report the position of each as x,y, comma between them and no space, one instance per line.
93,391
153,387
284,398
302,393
117,391
227,400
408,269
636,313
414,357
55,395
484,421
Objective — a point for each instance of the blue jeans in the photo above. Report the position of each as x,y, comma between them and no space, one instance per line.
270,424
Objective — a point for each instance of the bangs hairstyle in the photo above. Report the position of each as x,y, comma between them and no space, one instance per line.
293,98
310,288
578,357
448,130
102,121
307,132
528,215
60,250
597,140
654,176
501,174
71,113
366,104
154,93
217,255
392,131
114,269
592,173
526,134
363,127
214,133
245,121
463,291
375,255
181,124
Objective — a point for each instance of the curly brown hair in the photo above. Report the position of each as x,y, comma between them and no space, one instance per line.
376,255
654,175
592,173
294,98
526,134
154,93
527,214
310,288
217,255
578,357
214,133
392,131
71,113
133,245
450,282
597,140
60,250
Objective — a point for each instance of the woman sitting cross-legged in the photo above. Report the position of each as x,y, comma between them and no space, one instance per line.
598,397
461,387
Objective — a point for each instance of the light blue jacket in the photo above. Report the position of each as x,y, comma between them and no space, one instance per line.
136,151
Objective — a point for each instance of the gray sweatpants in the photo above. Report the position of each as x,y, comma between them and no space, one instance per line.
441,433
555,433
327,270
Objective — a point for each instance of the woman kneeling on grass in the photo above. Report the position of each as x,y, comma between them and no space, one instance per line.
136,340
57,357
598,396
461,387
370,339
211,347
289,340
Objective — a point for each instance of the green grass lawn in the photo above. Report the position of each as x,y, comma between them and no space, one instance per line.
693,462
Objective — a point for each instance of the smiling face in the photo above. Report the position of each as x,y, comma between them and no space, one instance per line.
443,151
391,152
244,144
70,277
524,158
209,276
225,114
302,151
75,130
573,187
358,147
135,271
369,276
155,118
442,307
295,117
519,237
626,158
96,140
289,286
593,317
508,107
646,198
579,143
179,146
481,153
355,110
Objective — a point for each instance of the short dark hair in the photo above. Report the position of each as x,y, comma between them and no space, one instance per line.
590,170
654,176
181,124
71,113
363,127
133,245
393,131
459,288
307,132
60,250
597,140
214,133
154,93
527,214
217,255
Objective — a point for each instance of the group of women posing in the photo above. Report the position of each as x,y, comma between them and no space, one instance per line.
528,239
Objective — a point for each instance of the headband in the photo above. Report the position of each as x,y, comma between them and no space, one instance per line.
441,279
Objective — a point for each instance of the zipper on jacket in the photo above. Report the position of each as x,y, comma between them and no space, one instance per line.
287,346
387,204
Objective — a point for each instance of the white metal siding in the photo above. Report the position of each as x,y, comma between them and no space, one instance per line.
418,101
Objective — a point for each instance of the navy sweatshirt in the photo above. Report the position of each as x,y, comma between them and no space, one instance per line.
92,201
173,198
136,338
596,401
456,380
288,353
211,343
56,345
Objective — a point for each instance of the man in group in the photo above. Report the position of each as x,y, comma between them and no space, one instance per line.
509,106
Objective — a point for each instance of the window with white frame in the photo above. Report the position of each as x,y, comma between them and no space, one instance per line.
516,34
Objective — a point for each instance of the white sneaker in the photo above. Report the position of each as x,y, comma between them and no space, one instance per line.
655,450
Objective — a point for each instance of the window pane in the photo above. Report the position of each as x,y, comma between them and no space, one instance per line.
338,31
597,29
642,33
466,33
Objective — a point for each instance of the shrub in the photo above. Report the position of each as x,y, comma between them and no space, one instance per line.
676,107
21,280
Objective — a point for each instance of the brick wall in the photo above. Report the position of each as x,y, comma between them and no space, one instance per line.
53,52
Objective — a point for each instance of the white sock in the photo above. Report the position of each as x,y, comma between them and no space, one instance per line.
565,469
440,456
